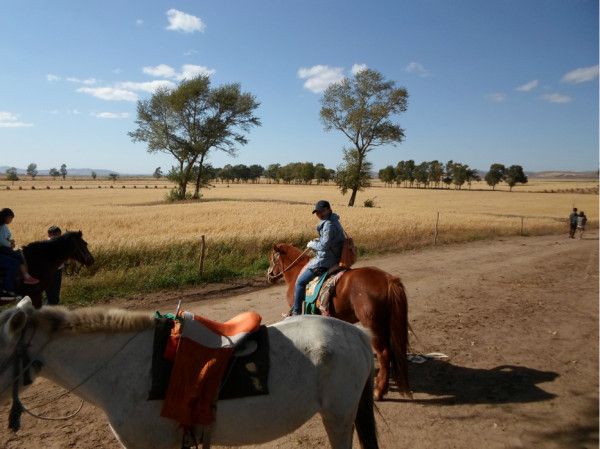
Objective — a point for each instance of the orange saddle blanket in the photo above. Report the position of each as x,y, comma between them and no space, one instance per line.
201,350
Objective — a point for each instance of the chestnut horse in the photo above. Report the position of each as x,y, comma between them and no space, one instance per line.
367,295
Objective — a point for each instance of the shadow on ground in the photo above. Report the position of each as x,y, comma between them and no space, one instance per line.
453,384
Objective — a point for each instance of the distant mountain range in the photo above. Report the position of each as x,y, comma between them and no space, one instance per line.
71,171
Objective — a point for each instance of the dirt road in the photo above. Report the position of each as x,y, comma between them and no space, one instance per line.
518,318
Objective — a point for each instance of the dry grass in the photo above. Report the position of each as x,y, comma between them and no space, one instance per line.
134,233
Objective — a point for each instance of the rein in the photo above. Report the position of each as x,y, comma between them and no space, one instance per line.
274,277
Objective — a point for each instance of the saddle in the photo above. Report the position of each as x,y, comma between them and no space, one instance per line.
321,290
197,361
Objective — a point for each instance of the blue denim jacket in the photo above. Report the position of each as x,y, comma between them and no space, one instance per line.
329,245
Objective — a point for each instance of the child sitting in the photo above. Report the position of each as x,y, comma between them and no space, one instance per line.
7,251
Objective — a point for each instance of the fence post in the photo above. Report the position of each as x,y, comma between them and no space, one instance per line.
202,253
522,219
435,234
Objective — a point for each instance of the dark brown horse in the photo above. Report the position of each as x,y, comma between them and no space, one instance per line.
369,295
45,257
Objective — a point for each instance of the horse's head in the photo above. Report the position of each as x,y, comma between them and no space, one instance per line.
285,258
275,271
17,331
78,248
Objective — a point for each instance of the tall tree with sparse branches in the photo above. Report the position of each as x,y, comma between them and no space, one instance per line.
363,108
193,119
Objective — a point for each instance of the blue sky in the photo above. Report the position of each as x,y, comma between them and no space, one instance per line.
505,81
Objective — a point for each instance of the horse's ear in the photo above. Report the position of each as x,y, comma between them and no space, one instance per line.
278,249
15,323
80,233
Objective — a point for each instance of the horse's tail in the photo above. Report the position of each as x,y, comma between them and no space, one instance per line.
399,333
366,428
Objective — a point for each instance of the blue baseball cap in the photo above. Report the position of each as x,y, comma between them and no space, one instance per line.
321,205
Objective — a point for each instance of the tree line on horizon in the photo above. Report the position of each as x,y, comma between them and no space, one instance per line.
436,174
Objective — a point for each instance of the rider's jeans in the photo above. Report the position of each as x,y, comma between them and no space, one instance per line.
300,290
11,267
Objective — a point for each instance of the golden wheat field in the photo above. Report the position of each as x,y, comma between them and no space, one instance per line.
138,237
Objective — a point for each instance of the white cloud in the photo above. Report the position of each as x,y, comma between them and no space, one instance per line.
10,120
581,75
111,115
319,77
497,97
190,52
139,22
527,86
50,77
109,93
417,68
556,98
87,81
188,71
161,70
358,68
180,21
147,86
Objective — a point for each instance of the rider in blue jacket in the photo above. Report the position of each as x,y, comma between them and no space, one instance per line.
328,248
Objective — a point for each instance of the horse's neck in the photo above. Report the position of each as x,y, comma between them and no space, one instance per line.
290,277
107,364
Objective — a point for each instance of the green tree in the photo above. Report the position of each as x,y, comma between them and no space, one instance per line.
157,173
113,176
514,175
459,174
54,173
448,173
495,175
387,175
436,172
363,108
272,173
63,171
421,173
322,173
354,173
94,175
11,175
472,176
192,120
32,170
256,171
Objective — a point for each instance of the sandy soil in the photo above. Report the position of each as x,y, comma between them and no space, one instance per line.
518,318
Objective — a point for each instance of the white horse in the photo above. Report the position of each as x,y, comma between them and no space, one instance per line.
318,365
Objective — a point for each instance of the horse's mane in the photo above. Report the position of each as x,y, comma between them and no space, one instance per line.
289,250
54,242
91,319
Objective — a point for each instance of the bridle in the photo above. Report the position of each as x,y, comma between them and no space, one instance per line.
21,363
277,258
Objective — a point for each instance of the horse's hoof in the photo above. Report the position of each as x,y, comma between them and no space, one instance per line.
377,395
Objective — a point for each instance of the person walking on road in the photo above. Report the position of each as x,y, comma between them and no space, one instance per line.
573,223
